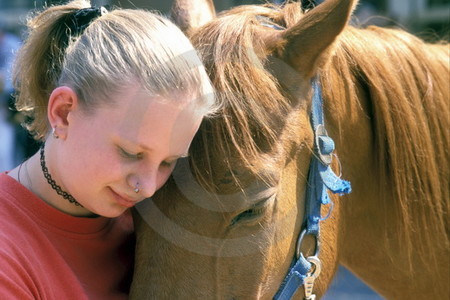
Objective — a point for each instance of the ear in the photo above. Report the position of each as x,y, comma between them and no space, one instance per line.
304,46
63,100
191,14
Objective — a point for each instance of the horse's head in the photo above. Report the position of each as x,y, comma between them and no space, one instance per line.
226,224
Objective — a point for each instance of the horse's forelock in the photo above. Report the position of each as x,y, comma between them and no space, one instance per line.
254,106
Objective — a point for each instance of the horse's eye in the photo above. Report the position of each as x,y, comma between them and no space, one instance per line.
247,215
252,214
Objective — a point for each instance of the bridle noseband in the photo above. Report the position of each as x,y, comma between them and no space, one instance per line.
321,178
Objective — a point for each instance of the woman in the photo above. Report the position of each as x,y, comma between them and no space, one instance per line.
115,98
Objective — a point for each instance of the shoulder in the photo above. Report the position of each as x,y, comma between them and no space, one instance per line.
10,189
19,234
29,258
14,283
12,217
16,266
13,198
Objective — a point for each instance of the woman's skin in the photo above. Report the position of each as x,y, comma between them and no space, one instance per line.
101,156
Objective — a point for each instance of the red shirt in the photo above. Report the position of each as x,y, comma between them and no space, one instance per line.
47,254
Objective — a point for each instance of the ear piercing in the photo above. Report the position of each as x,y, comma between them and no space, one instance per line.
136,189
56,136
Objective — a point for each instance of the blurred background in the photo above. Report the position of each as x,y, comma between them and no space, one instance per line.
415,15
429,19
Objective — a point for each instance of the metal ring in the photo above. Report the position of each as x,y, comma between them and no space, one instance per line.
300,241
54,134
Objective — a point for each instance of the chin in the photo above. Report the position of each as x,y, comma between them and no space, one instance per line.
110,213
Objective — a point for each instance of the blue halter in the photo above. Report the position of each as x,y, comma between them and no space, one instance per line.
321,178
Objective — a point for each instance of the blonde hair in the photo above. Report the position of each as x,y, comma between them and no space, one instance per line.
119,48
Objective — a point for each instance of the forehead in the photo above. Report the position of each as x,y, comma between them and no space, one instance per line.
142,118
136,102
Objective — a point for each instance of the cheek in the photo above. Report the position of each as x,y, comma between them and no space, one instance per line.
163,175
93,160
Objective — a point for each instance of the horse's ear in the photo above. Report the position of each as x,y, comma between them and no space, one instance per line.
190,14
304,46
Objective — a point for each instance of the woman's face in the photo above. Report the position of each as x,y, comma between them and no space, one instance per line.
134,142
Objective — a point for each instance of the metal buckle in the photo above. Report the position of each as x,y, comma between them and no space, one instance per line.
316,267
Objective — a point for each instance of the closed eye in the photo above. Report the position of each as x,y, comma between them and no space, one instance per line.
252,214
128,155
169,163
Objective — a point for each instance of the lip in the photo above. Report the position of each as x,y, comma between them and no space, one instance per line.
123,200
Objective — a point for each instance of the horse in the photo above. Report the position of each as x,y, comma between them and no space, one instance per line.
230,222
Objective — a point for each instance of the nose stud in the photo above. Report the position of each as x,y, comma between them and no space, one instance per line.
136,189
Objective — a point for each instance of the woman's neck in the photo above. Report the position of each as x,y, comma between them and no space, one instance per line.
30,175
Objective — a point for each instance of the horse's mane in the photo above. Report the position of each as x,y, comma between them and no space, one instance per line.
407,84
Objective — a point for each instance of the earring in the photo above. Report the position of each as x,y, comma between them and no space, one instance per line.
54,133
136,189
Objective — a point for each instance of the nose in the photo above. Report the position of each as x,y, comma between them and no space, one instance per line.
148,179
147,185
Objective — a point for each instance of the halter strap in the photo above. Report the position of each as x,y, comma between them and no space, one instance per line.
320,179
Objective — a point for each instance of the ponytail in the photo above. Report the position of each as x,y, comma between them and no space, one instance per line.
39,62
120,48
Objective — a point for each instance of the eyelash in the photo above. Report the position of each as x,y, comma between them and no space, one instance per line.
129,155
167,164
249,215
138,156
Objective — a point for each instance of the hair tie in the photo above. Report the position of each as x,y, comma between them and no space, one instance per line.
82,18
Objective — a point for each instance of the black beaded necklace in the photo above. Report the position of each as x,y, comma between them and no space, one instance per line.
52,182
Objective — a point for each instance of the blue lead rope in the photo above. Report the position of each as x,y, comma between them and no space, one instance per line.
321,178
